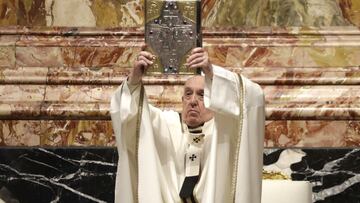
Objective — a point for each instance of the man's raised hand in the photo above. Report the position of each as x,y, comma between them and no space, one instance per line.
199,58
142,63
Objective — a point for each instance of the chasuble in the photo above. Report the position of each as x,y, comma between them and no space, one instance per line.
152,144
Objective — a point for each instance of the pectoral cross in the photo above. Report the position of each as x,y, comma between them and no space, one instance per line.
192,157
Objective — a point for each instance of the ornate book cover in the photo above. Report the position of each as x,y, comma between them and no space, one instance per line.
172,30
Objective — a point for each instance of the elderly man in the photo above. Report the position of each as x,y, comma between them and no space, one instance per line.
211,153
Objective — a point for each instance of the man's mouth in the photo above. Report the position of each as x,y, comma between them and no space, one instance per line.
192,110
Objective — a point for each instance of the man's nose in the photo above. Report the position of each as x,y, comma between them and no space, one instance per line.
193,99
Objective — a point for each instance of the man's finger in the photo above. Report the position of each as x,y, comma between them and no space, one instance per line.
147,54
196,61
142,66
145,59
198,65
197,50
194,56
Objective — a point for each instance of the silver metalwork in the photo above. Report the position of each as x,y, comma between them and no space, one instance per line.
172,34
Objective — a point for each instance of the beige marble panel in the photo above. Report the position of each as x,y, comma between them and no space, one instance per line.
346,94
78,51
302,76
21,101
56,133
91,56
87,101
19,133
8,40
315,50
74,13
7,50
261,75
80,37
285,102
165,97
13,93
7,56
282,56
75,110
20,75
63,133
86,133
94,13
67,101
312,133
128,56
264,57
310,102
79,75
81,94
289,48
331,56
39,57
47,39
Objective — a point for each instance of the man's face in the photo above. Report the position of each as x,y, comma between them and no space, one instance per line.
194,112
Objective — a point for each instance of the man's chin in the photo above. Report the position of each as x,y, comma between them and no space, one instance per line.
193,122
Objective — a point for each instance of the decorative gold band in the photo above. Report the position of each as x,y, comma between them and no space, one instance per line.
238,139
138,124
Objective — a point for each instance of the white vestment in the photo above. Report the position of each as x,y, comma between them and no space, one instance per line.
151,165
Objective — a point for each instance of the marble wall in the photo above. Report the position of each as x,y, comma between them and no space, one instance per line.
130,13
60,60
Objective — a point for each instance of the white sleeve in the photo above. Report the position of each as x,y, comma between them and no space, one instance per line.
124,109
125,101
221,93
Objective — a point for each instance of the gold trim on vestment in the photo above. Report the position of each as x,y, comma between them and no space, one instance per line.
238,139
138,124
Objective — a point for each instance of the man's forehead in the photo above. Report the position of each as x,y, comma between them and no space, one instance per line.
196,82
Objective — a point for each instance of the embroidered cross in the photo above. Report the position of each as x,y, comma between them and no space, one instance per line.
196,140
192,157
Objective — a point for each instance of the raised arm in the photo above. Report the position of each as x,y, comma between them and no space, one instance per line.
125,100
222,87
222,91
124,111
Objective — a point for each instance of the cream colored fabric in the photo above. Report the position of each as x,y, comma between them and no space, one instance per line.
162,145
285,191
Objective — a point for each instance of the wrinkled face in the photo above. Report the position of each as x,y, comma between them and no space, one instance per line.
194,112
